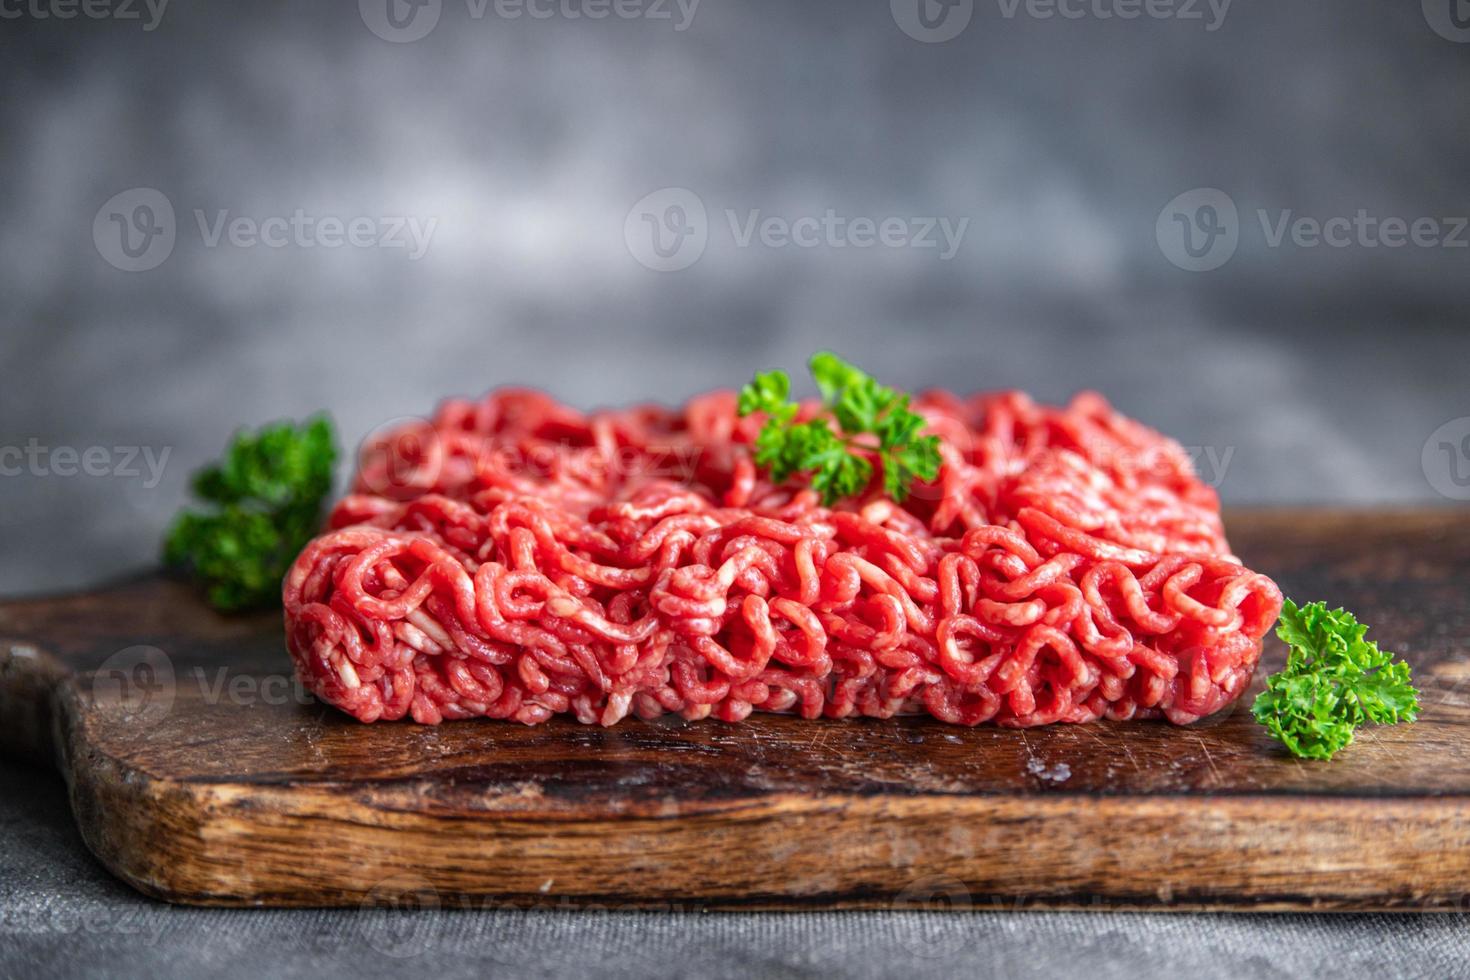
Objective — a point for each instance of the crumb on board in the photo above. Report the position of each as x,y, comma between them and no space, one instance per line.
1058,773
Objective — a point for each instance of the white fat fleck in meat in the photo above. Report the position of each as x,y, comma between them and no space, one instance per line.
416,638
348,673
562,605
432,627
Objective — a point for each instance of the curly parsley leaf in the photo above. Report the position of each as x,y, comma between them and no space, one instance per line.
872,419
265,498
767,393
1335,680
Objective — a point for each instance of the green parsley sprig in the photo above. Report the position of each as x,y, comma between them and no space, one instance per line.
1334,681
872,420
266,495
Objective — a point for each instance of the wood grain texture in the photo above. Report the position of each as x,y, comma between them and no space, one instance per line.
199,772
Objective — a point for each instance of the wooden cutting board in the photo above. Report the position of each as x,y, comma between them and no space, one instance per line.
199,773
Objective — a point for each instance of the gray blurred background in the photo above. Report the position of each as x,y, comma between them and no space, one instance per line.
522,146
531,153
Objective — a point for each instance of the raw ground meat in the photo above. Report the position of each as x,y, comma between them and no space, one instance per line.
516,558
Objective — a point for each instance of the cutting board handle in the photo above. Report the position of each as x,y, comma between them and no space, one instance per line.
109,632
29,679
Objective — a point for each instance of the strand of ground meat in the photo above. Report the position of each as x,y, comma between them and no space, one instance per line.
515,558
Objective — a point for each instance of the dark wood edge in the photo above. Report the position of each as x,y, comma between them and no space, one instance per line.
195,843
29,681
